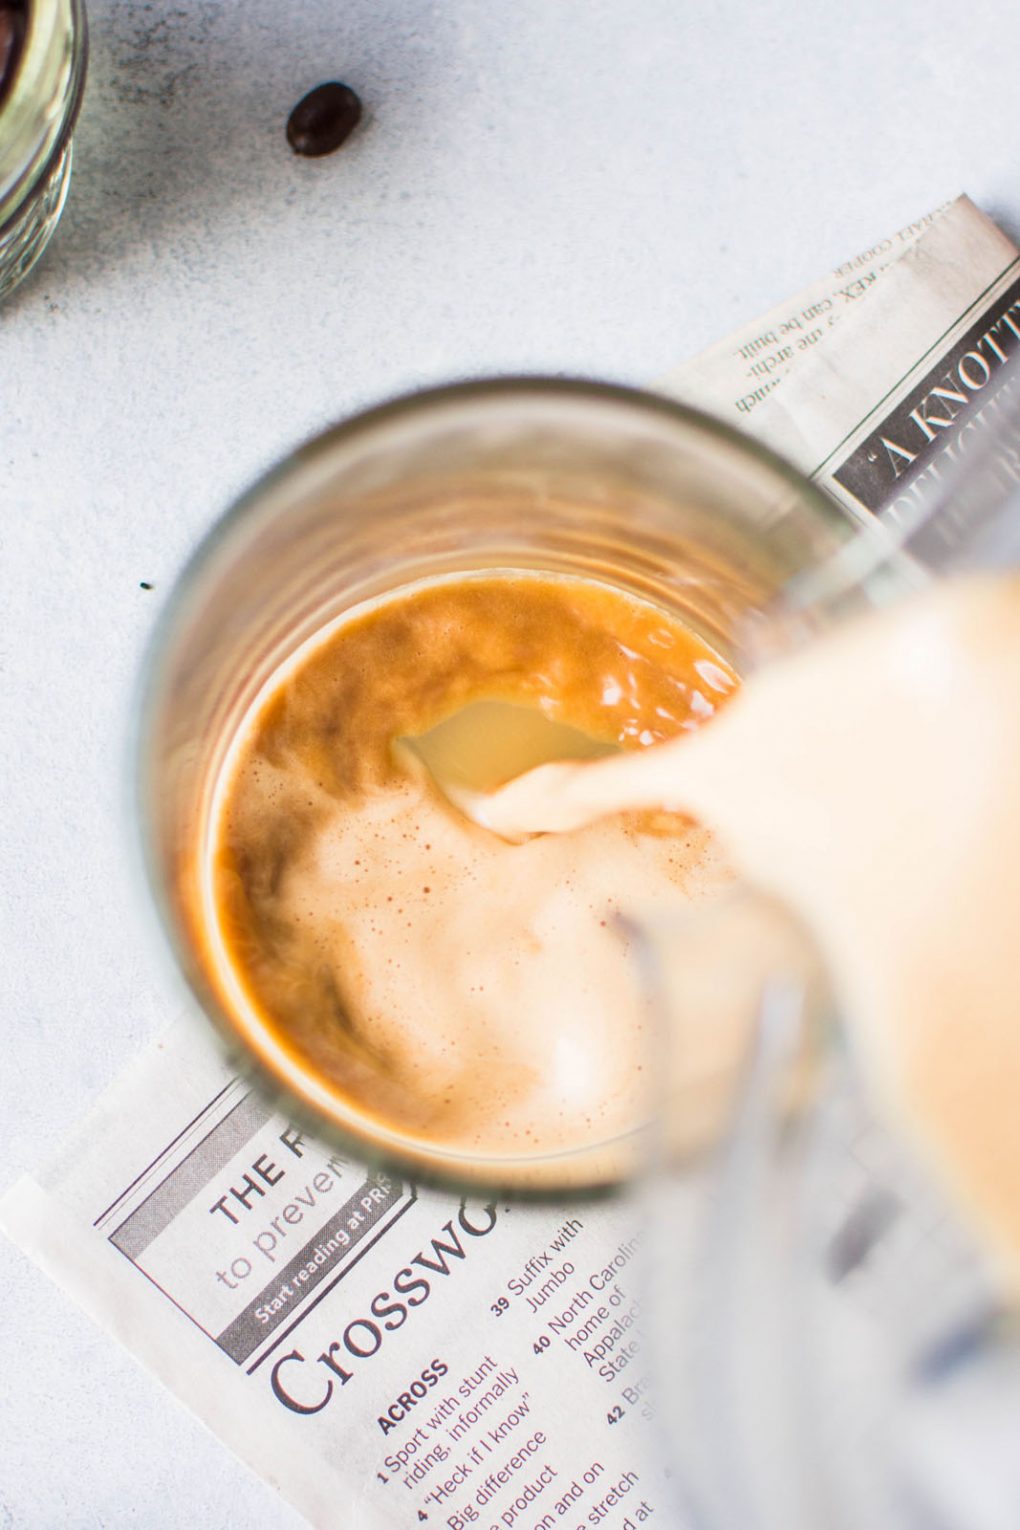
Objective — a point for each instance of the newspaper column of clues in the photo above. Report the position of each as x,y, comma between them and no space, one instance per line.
522,1437
507,1336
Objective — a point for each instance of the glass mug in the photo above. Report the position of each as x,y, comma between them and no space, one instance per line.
565,478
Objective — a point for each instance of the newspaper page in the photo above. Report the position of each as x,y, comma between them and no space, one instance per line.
384,1355
875,380
388,1356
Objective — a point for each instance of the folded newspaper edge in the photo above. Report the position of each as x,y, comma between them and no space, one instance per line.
479,1362
873,380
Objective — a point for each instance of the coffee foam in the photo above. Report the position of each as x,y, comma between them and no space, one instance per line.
475,996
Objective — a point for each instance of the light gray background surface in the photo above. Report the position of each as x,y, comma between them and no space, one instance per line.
599,187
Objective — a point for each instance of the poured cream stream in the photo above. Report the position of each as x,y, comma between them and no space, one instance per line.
872,782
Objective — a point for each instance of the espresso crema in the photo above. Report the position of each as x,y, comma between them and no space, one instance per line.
430,980
870,781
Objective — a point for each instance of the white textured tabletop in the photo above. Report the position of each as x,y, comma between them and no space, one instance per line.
578,186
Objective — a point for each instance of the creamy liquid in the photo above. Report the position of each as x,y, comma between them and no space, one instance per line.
872,781
434,980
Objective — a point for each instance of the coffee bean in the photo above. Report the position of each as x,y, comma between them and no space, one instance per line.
323,119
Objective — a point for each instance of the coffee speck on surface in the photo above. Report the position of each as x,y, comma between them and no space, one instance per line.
323,119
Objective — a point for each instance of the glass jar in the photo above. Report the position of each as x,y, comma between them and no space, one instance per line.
520,475
834,1343
38,110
